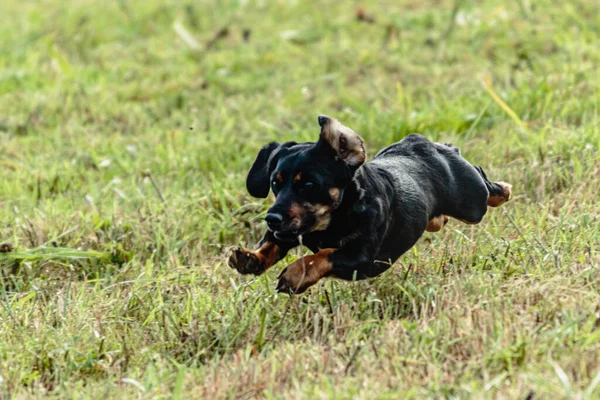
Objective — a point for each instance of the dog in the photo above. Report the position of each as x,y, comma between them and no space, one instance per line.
357,217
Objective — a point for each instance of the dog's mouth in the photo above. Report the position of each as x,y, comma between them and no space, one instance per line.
287,236
292,233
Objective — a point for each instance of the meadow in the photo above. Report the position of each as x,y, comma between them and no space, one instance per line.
126,132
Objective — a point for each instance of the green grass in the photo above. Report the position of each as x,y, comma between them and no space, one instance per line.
124,148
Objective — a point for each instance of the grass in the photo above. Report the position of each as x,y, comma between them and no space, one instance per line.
126,132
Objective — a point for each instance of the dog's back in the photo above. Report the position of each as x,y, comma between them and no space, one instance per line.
432,180
449,183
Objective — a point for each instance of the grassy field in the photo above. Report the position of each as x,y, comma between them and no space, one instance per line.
127,129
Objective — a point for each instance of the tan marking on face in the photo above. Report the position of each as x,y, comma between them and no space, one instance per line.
322,214
322,223
298,177
334,193
278,178
295,210
296,213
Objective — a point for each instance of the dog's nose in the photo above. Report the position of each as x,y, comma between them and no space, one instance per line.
274,220
323,120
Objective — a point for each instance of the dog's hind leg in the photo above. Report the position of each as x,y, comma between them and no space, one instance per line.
437,223
499,192
500,195
472,203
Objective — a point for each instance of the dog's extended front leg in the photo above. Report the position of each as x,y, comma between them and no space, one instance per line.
352,261
269,252
305,272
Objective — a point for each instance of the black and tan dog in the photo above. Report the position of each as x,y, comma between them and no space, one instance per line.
356,217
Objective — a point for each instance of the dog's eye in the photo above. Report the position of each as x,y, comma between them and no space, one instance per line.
275,184
308,185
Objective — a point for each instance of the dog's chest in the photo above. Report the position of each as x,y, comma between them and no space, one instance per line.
316,241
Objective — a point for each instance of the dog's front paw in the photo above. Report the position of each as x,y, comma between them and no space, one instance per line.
246,261
304,272
293,279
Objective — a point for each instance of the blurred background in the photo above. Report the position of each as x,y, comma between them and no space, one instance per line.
95,94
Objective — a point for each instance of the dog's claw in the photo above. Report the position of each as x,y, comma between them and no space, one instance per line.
282,287
232,260
245,262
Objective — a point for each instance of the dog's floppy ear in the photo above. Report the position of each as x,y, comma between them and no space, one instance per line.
347,144
258,181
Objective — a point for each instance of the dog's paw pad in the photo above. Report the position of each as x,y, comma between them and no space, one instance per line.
507,187
245,262
232,261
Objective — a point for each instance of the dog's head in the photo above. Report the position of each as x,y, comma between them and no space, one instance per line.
308,179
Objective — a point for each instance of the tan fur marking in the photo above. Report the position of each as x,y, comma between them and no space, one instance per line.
268,253
296,213
497,201
334,193
254,261
305,272
437,223
278,178
298,177
322,223
322,214
295,210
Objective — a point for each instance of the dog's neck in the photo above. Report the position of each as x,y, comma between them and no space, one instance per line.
353,194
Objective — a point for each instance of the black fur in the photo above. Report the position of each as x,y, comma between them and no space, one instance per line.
257,181
382,207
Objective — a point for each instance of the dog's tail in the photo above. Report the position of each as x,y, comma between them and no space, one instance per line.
499,192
